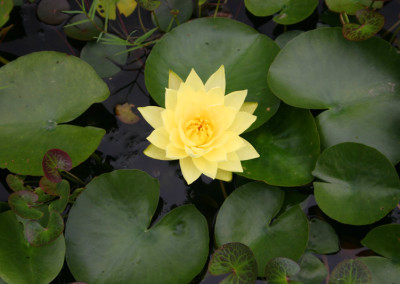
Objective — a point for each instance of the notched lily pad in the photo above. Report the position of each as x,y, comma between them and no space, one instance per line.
371,22
280,269
22,203
51,11
237,260
63,196
55,161
322,238
351,271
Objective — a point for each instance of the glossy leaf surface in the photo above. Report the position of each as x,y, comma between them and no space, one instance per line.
279,270
312,270
22,203
322,238
182,9
351,271
382,268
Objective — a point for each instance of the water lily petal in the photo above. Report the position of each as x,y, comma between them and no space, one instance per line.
206,167
232,164
224,175
236,99
194,81
174,152
216,155
152,115
155,153
174,81
234,142
215,96
217,80
159,138
171,97
168,118
222,117
249,107
189,171
242,121
247,152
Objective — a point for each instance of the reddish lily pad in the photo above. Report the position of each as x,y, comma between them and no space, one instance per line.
48,186
371,22
54,161
21,203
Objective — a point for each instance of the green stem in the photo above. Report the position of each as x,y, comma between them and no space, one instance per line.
73,177
394,35
156,19
3,60
216,9
391,28
200,11
221,183
140,21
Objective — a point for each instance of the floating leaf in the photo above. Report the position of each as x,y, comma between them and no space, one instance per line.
16,183
22,202
371,22
351,6
351,271
51,11
322,238
384,240
236,259
248,216
5,8
22,263
164,13
48,186
279,269
358,84
74,195
81,28
211,42
289,147
360,179
63,193
55,161
312,270
284,38
125,114
149,5
382,268
54,88
291,11
42,196
109,238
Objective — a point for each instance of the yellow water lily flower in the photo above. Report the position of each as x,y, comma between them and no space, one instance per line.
200,126
125,7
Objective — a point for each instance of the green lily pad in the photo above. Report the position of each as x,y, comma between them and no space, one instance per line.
183,10
284,38
291,11
81,28
279,269
289,148
42,196
358,84
5,8
371,22
54,161
322,238
312,270
48,186
245,53
360,179
22,202
351,6
149,5
384,240
16,183
25,264
53,88
104,58
51,11
109,238
247,216
382,268
60,204
351,271
237,260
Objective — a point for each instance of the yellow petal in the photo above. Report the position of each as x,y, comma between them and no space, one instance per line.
206,167
174,81
222,117
155,153
168,118
152,115
242,121
126,7
171,97
233,143
159,138
217,80
174,152
175,138
224,175
235,99
194,81
189,171
216,155
249,107
247,152
232,164
214,97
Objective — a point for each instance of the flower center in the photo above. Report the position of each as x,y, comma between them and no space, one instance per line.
198,130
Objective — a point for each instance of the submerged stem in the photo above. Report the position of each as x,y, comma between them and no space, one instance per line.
221,183
216,9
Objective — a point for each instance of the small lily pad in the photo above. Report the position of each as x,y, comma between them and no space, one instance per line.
279,270
164,13
149,5
237,260
63,193
42,196
382,268
81,28
5,8
54,161
312,270
51,11
371,22
22,202
351,271
48,186
351,6
16,183
322,238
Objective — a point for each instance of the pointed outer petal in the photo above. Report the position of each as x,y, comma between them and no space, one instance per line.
230,142
222,118
249,107
174,81
159,138
152,115
194,81
206,167
195,152
155,153
174,152
175,139
214,97
189,171
232,164
171,97
247,152
216,155
224,175
217,80
242,121
168,118
236,99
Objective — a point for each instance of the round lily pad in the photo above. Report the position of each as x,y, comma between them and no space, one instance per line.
51,11
168,9
351,271
39,94
289,147
382,268
371,22
359,185
81,28
23,263
279,269
312,270
249,216
358,84
322,238
245,53
110,240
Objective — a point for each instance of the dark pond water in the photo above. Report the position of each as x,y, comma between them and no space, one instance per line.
122,146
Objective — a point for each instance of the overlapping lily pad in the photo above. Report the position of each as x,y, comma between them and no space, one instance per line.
351,271
382,268
289,147
279,269
358,82
247,216
109,238
205,44
371,22
39,93
168,9
360,179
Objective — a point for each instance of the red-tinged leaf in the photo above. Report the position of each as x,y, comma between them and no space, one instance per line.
54,161
37,235
48,186
21,203
125,114
371,22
